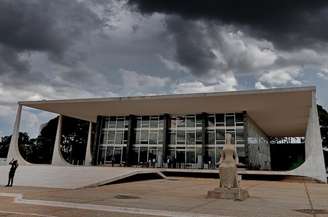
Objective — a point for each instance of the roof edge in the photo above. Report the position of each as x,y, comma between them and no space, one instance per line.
174,96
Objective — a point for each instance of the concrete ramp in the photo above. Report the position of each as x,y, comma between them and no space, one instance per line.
71,177
137,174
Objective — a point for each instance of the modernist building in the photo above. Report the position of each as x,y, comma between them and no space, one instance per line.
188,130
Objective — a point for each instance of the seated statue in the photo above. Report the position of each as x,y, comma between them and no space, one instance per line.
229,183
228,165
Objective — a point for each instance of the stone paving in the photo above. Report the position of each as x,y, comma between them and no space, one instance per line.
180,196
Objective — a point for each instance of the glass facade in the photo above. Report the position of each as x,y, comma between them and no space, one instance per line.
148,146
113,140
217,126
185,146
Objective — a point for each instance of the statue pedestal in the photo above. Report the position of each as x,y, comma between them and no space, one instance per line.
225,193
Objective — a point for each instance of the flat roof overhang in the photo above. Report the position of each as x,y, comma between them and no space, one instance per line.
278,112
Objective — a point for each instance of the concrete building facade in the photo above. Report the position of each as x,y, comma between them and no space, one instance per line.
188,130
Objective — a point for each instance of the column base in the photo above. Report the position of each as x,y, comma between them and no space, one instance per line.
225,193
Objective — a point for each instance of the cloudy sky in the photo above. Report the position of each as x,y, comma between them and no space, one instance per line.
62,49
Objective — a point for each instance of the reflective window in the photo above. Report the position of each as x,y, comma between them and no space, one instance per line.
161,122
143,154
160,137
218,126
185,140
112,122
173,137
240,133
145,122
211,121
239,117
111,136
120,123
219,118
144,136
191,158
181,137
153,137
191,121
149,140
139,122
180,121
230,120
199,121
191,138
220,134
119,137
113,141
199,137
154,122
211,136
185,137
173,123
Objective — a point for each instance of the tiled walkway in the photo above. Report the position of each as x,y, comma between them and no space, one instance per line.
168,197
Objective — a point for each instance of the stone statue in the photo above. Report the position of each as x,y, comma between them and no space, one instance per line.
228,165
229,184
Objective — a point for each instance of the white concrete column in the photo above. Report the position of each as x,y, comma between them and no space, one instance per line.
57,158
13,151
88,158
314,165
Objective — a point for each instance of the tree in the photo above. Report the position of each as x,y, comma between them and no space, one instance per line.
45,142
74,139
323,120
25,145
39,150
323,116
4,146
34,150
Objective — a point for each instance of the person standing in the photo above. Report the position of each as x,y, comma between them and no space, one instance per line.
14,165
113,160
154,162
168,162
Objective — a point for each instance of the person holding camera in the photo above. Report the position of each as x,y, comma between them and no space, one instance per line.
14,165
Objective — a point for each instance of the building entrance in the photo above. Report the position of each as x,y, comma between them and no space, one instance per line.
147,156
112,154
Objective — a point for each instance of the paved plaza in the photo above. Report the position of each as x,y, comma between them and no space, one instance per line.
175,196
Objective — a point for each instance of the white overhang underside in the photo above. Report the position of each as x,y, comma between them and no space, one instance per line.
278,112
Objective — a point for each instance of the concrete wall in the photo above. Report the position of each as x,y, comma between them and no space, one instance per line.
258,147
314,165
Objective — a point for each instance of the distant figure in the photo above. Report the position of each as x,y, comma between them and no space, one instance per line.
149,163
174,161
113,160
168,162
154,162
14,165
228,165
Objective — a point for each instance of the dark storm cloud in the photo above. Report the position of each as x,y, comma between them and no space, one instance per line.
42,25
10,61
288,24
192,47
